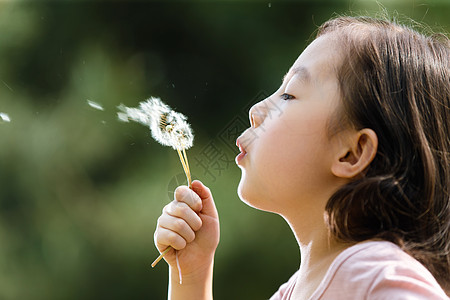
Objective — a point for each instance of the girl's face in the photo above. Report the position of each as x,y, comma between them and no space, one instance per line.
286,154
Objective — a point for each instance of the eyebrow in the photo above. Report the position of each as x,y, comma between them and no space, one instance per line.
302,74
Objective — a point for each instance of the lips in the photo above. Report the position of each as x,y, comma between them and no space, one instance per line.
243,153
238,144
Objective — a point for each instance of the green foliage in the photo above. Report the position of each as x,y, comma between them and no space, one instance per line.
80,192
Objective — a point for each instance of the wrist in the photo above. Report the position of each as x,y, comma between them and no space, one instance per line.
196,284
194,275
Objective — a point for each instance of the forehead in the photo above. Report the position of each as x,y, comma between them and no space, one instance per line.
300,72
318,61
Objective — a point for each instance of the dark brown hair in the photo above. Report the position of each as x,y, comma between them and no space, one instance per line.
396,81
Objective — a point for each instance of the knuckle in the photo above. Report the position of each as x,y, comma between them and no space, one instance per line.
199,203
167,207
172,238
159,222
181,245
160,218
179,225
157,237
191,195
191,237
181,209
176,241
197,225
180,192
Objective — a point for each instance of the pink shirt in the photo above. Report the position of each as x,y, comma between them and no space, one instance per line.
372,270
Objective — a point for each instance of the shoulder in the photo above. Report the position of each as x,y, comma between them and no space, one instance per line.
378,270
286,289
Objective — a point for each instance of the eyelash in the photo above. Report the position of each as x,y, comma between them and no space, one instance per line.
286,97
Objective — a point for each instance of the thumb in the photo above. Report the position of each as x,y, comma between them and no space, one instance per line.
208,205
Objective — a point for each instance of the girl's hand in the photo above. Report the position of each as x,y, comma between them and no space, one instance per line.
189,224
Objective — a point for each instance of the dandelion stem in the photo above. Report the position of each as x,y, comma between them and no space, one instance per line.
187,165
179,268
178,262
161,256
182,161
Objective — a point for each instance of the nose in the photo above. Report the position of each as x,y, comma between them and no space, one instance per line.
256,114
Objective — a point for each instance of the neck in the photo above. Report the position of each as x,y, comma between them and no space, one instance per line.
318,250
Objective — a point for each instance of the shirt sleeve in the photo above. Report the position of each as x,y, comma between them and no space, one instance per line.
378,270
401,282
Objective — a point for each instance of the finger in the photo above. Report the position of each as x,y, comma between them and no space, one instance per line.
208,205
166,237
183,211
200,189
178,226
188,196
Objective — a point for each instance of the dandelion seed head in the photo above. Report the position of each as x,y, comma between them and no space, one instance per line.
167,127
172,129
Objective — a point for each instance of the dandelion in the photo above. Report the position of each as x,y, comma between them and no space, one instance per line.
167,127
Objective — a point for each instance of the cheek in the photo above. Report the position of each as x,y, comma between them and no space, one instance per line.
287,154
291,165
283,166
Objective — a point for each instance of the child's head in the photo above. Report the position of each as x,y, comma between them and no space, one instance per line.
386,85
396,82
288,146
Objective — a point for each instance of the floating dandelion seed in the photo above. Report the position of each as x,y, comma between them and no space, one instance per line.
169,128
95,105
5,117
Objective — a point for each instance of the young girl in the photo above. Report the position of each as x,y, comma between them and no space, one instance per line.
357,161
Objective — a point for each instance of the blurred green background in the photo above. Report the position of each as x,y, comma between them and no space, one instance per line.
80,192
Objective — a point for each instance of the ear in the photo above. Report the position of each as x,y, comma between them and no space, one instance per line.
355,154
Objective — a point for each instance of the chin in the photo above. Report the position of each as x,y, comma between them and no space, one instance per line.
242,193
251,195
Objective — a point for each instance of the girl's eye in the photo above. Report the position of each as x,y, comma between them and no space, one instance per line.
287,96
